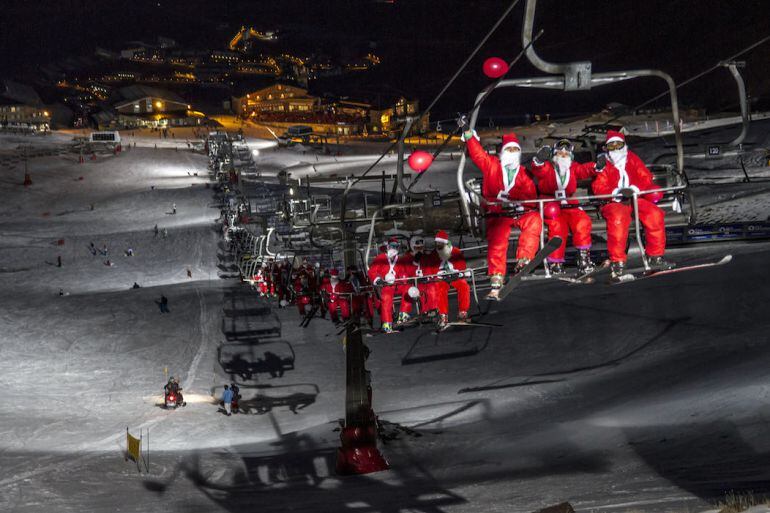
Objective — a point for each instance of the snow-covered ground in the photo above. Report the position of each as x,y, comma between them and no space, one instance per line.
648,396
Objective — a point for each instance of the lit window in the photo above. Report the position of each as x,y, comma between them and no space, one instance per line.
282,95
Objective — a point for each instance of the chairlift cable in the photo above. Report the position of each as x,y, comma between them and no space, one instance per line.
446,86
489,90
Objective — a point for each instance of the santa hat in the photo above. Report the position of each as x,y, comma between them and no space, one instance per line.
614,135
510,140
334,272
442,236
394,240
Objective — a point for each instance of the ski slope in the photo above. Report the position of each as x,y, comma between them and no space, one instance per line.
647,397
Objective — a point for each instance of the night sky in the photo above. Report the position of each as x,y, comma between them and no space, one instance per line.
423,42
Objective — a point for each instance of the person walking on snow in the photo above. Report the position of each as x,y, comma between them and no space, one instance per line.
622,174
505,179
227,400
173,208
557,175
447,259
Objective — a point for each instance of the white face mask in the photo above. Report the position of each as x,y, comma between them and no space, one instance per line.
335,280
508,158
562,164
392,253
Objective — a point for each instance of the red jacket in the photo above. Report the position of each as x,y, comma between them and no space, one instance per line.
380,267
548,182
638,175
416,266
456,262
523,188
333,291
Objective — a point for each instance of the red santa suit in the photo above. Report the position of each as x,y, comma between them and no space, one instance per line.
337,294
455,262
303,291
518,186
260,282
416,265
624,170
387,269
563,215
362,303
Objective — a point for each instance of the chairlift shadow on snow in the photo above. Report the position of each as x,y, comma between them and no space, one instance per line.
430,346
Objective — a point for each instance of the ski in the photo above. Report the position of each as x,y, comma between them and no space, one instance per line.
651,274
550,246
588,277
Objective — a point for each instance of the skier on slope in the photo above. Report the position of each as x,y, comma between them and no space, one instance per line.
383,273
622,173
557,175
504,178
448,259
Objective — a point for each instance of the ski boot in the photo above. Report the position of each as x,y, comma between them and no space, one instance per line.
658,263
496,280
403,318
443,322
618,272
521,263
556,267
387,328
584,263
463,318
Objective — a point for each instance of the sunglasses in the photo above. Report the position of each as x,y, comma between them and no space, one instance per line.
615,145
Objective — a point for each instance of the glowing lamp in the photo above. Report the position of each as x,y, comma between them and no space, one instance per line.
420,160
495,67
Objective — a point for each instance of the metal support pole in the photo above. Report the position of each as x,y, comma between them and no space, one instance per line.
358,453
542,239
639,232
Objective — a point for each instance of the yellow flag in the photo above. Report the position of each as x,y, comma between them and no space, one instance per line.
134,447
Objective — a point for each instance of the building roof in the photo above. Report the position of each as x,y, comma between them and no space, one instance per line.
133,93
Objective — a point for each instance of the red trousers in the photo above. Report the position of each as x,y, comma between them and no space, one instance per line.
344,306
498,231
387,294
463,295
427,297
570,220
302,301
618,216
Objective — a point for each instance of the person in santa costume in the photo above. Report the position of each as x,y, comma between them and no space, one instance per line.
362,303
303,292
337,294
504,178
622,173
416,265
448,259
383,273
557,175
260,281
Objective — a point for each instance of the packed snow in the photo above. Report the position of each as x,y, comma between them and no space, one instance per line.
647,396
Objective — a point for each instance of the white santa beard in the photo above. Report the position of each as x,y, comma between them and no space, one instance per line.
508,158
563,164
392,253
445,253
619,158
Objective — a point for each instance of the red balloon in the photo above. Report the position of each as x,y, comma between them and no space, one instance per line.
495,67
551,210
420,160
